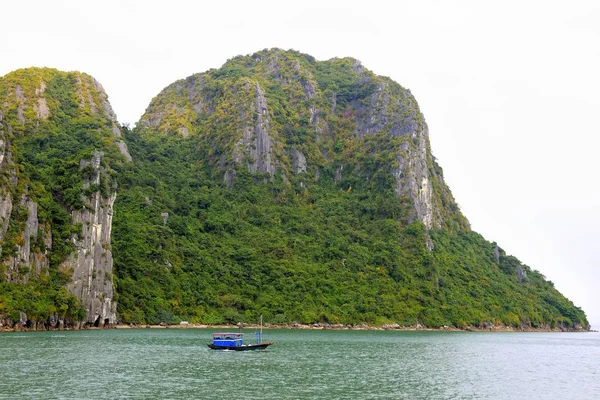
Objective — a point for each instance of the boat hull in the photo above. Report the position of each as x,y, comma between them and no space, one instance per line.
244,347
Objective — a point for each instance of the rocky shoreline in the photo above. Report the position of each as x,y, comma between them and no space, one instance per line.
487,327
359,327
296,326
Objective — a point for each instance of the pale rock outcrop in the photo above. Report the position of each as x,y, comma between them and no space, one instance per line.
413,178
41,89
165,217
2,140
497,254
6,168
338,173
521,274
229,178
124,150
5,196
41,108
5,210
298,161
20,96
29,258
91,262
398,119
256,142
22,258
39,105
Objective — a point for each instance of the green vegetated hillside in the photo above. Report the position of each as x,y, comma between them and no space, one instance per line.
50,122
277,185
304,191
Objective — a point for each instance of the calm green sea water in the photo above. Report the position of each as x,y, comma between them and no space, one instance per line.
176,364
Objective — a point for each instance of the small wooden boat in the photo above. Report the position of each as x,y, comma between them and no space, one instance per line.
235,341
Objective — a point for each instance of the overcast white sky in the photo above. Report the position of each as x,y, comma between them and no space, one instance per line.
510,90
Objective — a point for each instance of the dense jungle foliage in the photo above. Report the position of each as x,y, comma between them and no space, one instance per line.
313,247
335,243
324,255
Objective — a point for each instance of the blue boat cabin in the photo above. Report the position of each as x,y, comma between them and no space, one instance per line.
227,339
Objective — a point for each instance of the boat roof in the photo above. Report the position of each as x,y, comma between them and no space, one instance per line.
235,334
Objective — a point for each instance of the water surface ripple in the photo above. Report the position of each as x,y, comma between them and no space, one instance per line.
177,364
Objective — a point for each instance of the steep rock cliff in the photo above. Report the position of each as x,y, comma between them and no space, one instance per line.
284,113
92,261
57,196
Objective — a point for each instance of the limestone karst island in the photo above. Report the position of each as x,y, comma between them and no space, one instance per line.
277,185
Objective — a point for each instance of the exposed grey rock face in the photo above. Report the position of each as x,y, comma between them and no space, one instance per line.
20,96
41,108
92,260
21,257
412,174
229,178
521,274
25,258
5,210
124,150
373,119
298,161
2,139
5,196
396,117
256,142
338,173
42,111
413,178
165,217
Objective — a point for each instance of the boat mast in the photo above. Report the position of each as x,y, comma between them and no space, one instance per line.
259,333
